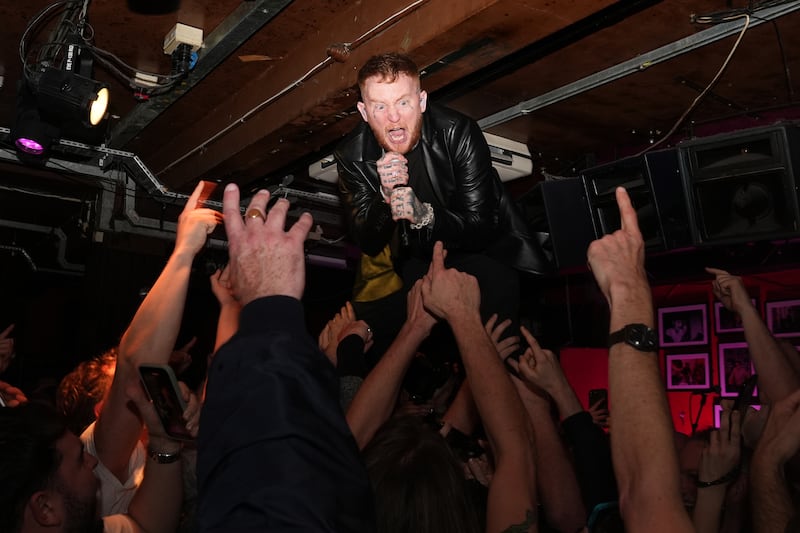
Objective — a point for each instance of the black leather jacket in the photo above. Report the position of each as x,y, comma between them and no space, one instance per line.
479,215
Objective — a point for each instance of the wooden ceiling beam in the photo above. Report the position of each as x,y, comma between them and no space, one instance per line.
436,29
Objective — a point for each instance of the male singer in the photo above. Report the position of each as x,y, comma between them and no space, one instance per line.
414,173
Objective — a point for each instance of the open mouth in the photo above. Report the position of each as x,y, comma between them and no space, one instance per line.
397,135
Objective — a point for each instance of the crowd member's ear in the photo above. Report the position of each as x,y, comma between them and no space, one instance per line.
363,110
423,100
44,509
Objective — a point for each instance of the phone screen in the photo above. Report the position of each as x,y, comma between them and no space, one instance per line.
162,388
596,395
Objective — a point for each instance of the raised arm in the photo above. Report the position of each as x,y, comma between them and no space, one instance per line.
645,460
377,396
274,450
556,483
772,502
776,375
455,297
156,505
150,337
229,307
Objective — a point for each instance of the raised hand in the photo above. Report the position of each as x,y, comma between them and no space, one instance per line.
540,367
599,413
221,286
12,396
195,224
181,359
507,346
416,314
617,260
191,415
447,292
393,172
780,440
724,450
729,290
265,259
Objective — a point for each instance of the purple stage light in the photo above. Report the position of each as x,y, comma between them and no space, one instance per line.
29,146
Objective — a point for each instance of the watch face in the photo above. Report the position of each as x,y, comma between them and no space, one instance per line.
641,337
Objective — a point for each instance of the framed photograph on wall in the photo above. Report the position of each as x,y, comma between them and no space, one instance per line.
783,318
735,367
688,371
686,325
726,321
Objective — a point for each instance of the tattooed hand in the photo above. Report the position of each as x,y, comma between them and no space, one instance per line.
393,171
406,205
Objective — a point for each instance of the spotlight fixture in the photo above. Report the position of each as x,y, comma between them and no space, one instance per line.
66,96
32,135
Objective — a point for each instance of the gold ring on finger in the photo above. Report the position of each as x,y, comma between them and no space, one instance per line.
255,213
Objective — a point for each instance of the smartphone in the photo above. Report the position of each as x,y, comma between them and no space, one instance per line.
596,395
162,389
208,189
745,396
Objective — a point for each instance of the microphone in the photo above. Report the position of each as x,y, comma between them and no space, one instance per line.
403,225
403,222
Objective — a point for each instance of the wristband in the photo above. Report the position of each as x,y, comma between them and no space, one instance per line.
727,478
427,218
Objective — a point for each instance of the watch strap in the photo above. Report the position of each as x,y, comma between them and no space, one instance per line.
163,458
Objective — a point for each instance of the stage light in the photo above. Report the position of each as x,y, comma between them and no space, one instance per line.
64,95
32,136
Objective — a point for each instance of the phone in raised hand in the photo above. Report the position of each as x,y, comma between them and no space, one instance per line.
162,389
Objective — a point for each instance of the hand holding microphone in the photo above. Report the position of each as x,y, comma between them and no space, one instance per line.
393,171
406,207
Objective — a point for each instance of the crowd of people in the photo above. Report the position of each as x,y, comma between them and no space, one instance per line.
292,433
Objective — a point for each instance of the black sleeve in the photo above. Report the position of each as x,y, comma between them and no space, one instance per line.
591,453
274,450
368,215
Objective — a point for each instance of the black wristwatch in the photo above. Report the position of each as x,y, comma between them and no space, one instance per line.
639,336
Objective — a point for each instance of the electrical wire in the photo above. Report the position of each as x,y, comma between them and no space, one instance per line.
73,22
299,81
705,20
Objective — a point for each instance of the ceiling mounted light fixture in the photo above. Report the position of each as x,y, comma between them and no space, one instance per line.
65,95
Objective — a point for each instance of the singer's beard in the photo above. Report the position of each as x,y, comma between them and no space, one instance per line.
414,132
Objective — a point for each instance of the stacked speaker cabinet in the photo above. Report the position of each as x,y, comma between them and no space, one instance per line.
569,223
654,184
742,186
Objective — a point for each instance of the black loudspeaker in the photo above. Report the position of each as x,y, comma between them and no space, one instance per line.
741,186
569,223
653,182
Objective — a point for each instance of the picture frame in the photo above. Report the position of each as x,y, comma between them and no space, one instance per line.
726,321
718,412
688,371
735,366
783,318
685,325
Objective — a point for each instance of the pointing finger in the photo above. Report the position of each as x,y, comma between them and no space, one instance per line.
234,225
191,203
630,222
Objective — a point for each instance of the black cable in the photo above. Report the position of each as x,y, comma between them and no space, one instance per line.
786,71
